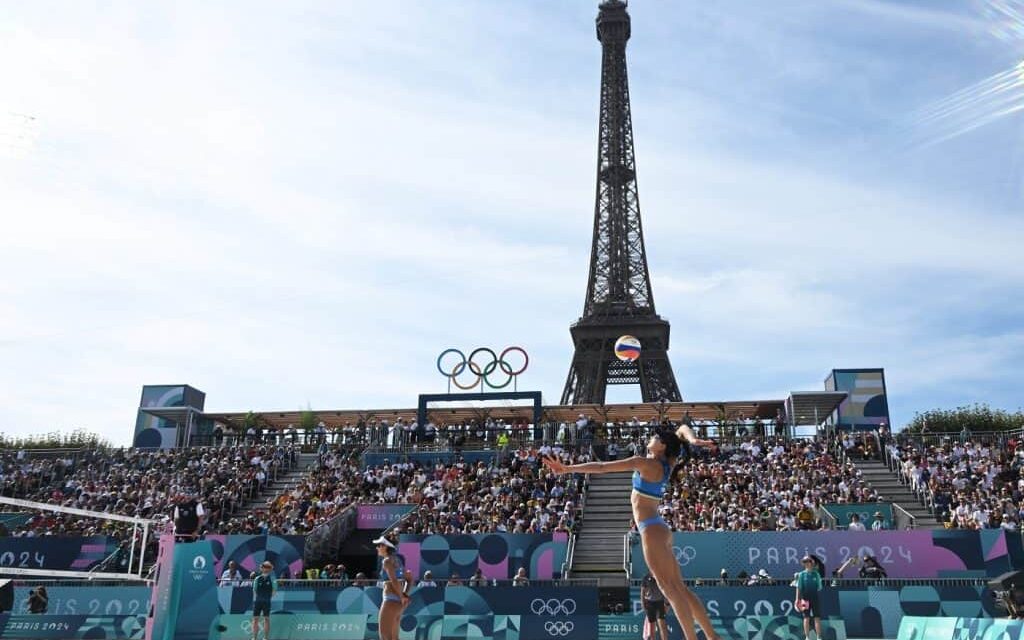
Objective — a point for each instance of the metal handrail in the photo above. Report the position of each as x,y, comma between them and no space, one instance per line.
580,514
570,552
444,439
907,515
627,554
829,519
412,512
299,583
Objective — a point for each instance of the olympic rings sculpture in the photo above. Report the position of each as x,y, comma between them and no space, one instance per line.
480,369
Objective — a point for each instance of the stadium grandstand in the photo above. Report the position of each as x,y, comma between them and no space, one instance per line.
472,510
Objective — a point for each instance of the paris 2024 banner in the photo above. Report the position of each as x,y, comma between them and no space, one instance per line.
903,554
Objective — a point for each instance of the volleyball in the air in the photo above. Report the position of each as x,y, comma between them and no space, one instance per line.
627,348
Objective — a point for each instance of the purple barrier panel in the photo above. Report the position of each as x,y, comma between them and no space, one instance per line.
903,554
380,516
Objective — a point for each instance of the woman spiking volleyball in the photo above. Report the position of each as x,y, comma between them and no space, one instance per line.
650,475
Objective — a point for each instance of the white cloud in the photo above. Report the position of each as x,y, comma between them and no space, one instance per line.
291,204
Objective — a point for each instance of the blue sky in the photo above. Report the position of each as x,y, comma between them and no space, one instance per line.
303,203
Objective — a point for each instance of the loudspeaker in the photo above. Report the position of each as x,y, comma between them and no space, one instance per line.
6,595
1008,580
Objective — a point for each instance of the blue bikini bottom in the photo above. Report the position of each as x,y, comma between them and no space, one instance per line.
650,522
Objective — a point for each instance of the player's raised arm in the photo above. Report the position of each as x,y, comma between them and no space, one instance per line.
684,432
629,464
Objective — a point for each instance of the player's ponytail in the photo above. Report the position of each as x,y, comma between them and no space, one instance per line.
676,448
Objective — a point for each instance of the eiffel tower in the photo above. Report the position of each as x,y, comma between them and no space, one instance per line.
619,298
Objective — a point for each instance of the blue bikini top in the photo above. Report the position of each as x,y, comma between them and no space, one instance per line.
654,490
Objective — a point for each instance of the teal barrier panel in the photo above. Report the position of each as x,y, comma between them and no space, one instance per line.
89,599
570,613
776,628
627,627
869,611
866,511
363,627
497,555
502,627
620,627
47,627
15,519
914,628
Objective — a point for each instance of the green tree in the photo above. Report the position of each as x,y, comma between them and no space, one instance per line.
252,420
974,418
308,420
77,439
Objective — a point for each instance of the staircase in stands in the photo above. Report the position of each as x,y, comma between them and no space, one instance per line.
887,483
285,482
598,552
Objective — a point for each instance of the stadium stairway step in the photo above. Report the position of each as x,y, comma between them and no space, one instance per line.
285,482
606,515
888,485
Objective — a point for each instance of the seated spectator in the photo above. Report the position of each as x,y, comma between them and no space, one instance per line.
855,523
232,575
520,579
879,522
478,579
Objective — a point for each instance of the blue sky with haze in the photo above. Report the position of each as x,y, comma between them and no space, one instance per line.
304,202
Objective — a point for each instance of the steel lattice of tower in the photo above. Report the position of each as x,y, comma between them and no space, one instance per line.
619,298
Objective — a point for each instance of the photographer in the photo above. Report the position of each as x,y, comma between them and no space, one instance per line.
871,570
654,606
38,601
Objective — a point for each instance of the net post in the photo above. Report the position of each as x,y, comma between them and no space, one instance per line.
142,553
131,549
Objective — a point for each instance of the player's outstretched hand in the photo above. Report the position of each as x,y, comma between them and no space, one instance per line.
554,464
707,444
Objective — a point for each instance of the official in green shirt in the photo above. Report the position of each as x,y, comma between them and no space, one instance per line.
808,596
264,586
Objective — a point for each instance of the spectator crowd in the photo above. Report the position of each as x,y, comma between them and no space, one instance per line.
754,483
516,495
969,483
212,482
760,485
511,493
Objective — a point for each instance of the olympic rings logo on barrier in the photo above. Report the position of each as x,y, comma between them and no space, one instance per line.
684,555
559,628
482,369
553,607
